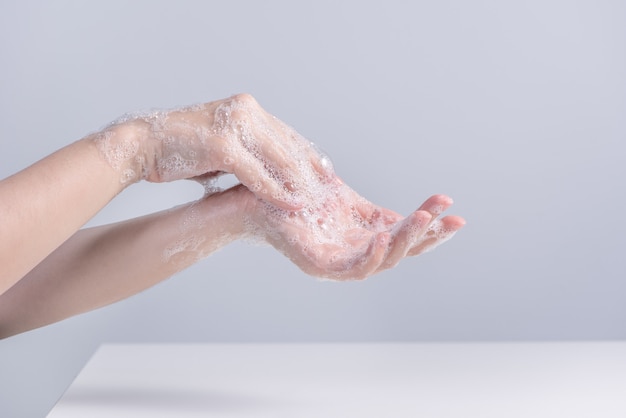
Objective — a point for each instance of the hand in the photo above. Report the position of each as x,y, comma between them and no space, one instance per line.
340,235
233,135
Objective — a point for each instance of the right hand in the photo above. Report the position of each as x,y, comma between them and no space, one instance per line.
233,135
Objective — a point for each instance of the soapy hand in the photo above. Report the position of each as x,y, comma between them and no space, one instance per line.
342,236
233,135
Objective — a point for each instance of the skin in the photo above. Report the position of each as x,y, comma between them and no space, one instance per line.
52,270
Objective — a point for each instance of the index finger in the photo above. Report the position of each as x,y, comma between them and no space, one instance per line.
255,177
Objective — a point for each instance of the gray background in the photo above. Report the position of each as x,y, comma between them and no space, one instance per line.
515,109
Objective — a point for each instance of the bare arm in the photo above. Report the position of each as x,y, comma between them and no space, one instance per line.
43,205
101,265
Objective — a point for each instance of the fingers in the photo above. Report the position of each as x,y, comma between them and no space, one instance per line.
254,176
260,157
320,161
419,232
368,263
281,147
440,231
300,150
436,204
374,217
404,236
279,165
422,231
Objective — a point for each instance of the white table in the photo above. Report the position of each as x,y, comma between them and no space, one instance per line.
462,380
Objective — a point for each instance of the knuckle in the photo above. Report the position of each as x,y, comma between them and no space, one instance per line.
245,99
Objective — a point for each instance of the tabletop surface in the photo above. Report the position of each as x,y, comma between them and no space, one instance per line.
441,380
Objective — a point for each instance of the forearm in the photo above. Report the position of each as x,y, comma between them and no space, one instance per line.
101,265
43,205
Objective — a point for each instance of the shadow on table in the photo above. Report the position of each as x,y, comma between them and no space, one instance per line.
170,399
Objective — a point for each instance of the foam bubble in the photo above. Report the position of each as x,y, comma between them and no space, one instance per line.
190,239
120,152
175,166
128,175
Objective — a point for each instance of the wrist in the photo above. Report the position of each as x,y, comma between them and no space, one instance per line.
128,148
228,212
207,225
